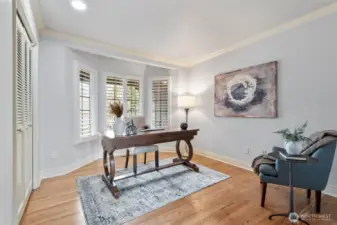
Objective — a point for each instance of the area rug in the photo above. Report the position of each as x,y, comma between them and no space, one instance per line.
141,194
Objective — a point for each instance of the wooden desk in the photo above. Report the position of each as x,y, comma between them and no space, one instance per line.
111,143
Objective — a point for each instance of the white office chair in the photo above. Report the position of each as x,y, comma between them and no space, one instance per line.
139,122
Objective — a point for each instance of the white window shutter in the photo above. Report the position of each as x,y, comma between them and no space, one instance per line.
114,93
133,97
85,104
160,103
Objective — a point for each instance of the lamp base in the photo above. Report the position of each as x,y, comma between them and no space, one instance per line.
183,126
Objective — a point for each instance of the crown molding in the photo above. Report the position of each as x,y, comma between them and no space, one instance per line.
314,15
127,52
186,63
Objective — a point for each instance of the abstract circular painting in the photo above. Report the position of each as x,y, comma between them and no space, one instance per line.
248,92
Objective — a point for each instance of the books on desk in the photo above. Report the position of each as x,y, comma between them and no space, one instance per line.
293,157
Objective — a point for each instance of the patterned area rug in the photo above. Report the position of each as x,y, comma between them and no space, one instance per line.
141,194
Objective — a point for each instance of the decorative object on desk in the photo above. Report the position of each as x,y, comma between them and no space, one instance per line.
141,194
118,125
130,128
249,92
146,127
186,101
294,140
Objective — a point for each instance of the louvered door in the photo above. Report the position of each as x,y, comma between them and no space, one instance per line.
24,114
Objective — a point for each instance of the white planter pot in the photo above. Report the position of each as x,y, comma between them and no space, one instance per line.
293,148
118,126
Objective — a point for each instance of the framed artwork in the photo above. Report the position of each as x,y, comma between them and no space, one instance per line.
248,92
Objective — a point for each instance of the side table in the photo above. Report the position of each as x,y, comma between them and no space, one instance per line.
290,160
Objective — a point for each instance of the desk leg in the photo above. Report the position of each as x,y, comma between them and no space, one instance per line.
188,158
109,173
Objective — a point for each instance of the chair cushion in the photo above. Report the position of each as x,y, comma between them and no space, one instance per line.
143,149
268,170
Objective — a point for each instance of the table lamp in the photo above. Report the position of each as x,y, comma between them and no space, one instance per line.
186,101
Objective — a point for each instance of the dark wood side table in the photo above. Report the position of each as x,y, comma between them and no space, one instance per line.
305,159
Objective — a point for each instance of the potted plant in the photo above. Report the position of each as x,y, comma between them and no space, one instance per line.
118,126
294,140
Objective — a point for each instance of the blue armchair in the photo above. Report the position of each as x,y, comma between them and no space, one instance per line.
311,177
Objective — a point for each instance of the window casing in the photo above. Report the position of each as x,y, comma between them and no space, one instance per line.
86,107
160,102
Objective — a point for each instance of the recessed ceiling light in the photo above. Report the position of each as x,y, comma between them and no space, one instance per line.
79,5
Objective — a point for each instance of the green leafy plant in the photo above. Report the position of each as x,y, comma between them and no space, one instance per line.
297,135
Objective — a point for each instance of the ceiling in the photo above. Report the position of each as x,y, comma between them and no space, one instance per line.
178,30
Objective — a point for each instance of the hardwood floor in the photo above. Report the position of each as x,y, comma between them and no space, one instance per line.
234,201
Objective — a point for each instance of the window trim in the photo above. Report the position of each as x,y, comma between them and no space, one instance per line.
149,114
124,78
93,102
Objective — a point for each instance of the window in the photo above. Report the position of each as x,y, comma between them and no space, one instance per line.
132,97
85,109
114,93
160,102
126,90
86,106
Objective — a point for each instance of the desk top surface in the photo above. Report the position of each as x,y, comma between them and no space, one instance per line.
111,134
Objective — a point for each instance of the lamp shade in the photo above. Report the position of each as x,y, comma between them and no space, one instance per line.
186,101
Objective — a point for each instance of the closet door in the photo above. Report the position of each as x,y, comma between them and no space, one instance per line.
23,151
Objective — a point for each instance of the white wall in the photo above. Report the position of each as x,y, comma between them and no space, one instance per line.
6,112
307,80
58,151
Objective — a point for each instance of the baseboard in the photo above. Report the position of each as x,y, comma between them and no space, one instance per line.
62,170
331,190
224,159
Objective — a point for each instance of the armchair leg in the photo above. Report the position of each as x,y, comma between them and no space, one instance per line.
127,158
308,194
263,192
318,195
145,157
156,158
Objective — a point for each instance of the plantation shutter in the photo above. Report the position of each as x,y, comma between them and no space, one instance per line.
133,97
114,93
20,80
85,109
160,103
30,88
